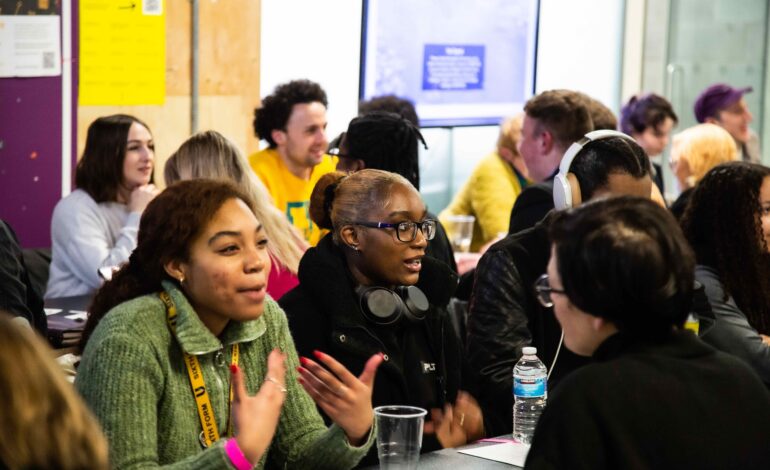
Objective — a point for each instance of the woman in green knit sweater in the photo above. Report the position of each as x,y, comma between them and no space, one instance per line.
182,347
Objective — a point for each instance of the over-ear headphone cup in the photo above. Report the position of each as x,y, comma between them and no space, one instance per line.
416,302
380,305
562,193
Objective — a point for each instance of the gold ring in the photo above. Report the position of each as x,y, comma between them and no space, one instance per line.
277,383
462,418
339,390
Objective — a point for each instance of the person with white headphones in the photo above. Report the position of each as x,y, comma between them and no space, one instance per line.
504,312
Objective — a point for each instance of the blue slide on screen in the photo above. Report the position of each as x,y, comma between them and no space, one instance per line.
460,62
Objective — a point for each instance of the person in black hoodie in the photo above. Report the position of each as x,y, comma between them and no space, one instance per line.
620,281
368,287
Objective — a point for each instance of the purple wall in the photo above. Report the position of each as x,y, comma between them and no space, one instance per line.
31,150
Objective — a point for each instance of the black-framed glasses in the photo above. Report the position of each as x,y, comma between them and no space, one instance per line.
406,231
543,290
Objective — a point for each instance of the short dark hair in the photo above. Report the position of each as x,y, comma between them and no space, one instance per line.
386,141
722,223
563,113
601,158
276,108
390,103
643,111
100,169
625,259
601,116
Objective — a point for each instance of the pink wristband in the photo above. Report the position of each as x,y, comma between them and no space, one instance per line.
234,453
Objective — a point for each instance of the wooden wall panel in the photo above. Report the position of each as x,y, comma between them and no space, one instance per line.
229,41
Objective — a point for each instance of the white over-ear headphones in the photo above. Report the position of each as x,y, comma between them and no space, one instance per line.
566,189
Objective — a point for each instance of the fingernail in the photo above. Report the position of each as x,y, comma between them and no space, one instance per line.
319,354
382,354
303,360
234,368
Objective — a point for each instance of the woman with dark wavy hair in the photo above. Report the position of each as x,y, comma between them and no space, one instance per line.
727,222
93,229
188,364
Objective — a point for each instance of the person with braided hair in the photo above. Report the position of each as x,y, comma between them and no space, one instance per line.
387,141
727,222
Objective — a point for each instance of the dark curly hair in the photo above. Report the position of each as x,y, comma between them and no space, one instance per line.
643,111
100,169
722,223
277,107
169,226
614,259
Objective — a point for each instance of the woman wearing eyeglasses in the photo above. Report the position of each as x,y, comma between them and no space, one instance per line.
654,396
368,287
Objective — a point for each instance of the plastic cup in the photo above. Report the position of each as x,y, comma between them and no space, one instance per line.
459,229
399,436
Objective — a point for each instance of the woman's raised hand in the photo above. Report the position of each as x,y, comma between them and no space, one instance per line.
346,399
141,196
256,417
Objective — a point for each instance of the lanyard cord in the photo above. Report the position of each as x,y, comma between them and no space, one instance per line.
210,433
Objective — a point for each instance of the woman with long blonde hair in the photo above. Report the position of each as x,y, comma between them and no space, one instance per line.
45,423
211,155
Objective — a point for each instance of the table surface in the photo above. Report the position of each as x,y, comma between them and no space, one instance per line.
78,302
449,459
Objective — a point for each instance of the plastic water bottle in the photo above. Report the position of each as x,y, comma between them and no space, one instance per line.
530,390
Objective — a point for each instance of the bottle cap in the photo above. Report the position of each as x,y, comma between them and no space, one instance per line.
529,350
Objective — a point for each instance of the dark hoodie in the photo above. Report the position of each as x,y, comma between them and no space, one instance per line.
324,314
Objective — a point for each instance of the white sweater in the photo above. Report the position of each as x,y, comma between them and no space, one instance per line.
87,236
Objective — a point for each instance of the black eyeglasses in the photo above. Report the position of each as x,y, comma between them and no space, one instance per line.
544,290
406,231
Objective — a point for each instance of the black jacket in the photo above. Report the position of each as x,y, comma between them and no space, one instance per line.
676,403
324,314
17,294
531,206
505,316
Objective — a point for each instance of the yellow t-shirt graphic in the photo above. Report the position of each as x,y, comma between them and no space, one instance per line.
291,194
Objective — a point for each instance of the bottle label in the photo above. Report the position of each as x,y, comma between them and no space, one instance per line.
529,387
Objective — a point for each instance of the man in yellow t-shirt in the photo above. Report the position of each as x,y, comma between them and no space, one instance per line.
292,120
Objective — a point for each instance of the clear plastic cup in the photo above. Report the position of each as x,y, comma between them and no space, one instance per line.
399,436
459,229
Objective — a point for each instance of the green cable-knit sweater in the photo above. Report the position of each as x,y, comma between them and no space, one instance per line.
134,379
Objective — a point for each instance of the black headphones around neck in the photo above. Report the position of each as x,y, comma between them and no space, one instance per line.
383,306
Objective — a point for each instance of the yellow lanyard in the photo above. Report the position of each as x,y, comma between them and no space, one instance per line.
210,433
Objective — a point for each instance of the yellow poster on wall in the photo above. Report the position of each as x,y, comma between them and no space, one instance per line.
122,52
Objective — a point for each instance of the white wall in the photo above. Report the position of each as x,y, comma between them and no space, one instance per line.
579,47
317,40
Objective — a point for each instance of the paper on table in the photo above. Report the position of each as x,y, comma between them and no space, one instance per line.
52,311
509,452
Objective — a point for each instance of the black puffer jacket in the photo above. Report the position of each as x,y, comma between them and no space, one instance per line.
505,316
324,314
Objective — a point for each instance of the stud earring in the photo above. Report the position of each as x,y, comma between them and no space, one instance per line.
181,279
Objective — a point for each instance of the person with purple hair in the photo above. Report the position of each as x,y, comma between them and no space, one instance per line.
649,119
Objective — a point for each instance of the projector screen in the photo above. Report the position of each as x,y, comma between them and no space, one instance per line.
462,63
